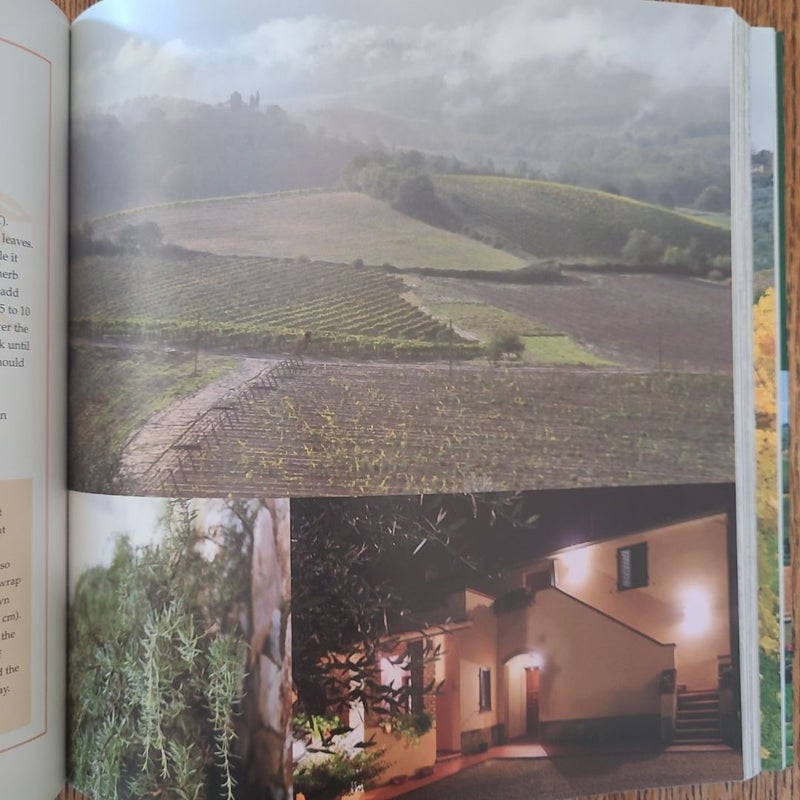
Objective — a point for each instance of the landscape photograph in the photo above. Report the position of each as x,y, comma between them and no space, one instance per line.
330,251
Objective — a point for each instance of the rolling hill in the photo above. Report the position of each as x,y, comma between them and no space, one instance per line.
504,223
551,220
324,226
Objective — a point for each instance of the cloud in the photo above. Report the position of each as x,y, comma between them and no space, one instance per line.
134,54
351,54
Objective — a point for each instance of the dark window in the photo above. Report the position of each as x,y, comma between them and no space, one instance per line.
632,566
543,579
484,689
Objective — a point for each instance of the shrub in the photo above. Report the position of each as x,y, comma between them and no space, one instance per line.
675,256
412,727
505,343
722,264
712,198
642,248
144,237
327,777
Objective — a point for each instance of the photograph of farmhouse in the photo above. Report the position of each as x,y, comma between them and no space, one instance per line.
501,637
330,249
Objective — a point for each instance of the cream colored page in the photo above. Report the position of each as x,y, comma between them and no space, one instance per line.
34,39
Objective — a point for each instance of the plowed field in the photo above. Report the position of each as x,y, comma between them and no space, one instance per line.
342,429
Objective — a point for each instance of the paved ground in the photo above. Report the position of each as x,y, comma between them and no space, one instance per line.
523,778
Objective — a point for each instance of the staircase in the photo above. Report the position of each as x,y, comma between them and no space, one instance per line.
697,717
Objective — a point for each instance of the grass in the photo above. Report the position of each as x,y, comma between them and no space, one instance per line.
542,345
771,722
720,218
789,724
326,226
553,220
113,393
559,349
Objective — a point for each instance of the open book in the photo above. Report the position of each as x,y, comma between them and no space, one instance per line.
423,411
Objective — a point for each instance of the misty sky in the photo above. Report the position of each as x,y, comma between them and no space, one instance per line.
304,53
764,101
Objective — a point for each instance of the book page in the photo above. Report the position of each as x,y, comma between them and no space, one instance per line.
33,164
441,302
772,434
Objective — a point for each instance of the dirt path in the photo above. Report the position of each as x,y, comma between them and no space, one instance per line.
157,435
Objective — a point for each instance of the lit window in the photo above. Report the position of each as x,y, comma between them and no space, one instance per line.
632,566
484,689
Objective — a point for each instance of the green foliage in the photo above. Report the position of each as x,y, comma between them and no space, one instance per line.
351,311
330,777
112,393
505,343
763,222
403,182
205,152
643,248
720,268
521,597
771,722
143,237
339,610
696,260
712,198
319,728
157,665
675,256
412,727
346,552
551,220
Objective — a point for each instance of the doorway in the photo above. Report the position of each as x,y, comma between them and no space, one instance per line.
532,702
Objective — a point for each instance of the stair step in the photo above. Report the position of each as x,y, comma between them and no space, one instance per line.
715,740
693,711
697,717
698,703
706,725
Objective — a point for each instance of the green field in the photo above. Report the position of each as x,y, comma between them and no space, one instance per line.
505,222
324,226
256,304
542,344
550,220
559,349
